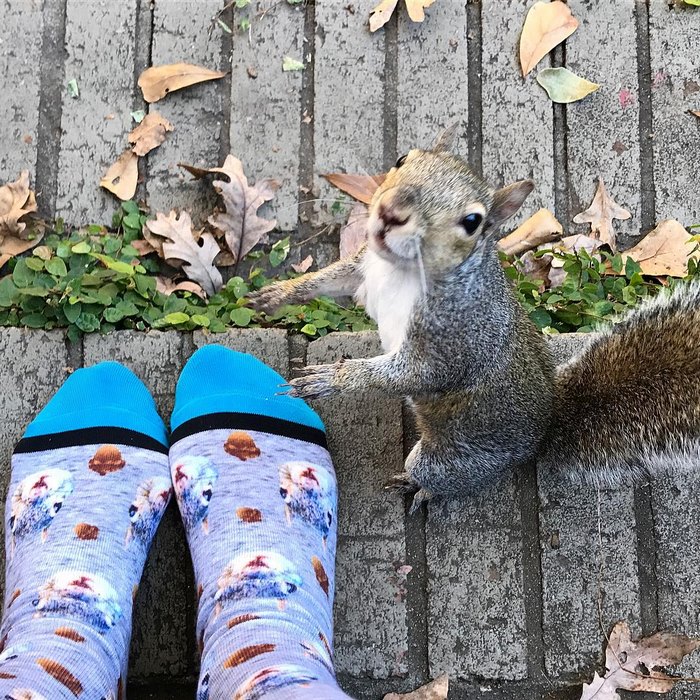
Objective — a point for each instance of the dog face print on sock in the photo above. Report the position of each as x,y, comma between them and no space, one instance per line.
87,597
147,508
194,479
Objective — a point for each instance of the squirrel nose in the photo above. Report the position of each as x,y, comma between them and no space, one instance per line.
390,217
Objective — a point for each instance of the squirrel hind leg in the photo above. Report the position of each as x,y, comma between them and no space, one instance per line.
402,483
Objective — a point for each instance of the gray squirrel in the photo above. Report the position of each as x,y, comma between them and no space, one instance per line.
479,375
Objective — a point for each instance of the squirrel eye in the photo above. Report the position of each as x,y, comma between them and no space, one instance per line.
400,161
471,222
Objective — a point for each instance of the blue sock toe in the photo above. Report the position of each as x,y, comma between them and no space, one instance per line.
219,380
105,395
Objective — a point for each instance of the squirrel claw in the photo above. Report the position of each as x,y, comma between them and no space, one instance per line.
316,381
422,496
401,483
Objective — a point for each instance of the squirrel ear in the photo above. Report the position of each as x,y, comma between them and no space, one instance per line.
508,200
447,139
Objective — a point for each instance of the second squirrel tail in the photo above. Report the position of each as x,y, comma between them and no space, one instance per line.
628,406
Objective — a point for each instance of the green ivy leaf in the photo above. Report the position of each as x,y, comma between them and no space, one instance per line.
176,318
242,316
81,248
308,329
34,320
56,267
72,311
88,322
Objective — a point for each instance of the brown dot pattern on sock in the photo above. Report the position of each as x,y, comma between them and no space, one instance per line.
321,575
240,444
107,459
15,594
249,515
62,675
85,531
241,619
69,633
7,675
240,656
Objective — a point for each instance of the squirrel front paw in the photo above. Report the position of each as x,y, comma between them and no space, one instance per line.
270,298
316,381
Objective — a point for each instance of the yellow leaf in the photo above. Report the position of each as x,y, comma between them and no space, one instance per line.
381,14
563,86
415,9
546,25
122,176
663,251
600,216
360,187
16,201
156,82
695,113
541,227
150,133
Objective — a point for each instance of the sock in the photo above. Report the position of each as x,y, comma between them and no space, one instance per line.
89,484
257,493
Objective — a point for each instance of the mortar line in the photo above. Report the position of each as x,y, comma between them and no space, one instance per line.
560,150
51,80
226,64
647,561
417,603
391,92
646,126
307,123
474,86
143,36
532,572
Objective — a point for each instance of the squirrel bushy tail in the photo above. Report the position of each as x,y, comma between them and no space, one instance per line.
628,406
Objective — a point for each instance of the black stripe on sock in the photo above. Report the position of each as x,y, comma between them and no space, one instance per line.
89,436
249,421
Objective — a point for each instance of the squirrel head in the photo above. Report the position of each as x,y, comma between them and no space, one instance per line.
432,208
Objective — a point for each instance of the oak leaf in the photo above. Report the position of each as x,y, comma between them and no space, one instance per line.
242,227
633,665
16,201
156,82
167,286
122,176
359,187
149,133
541,227
547,24
381,14
354,234
600,216
435,690
196,253
663,251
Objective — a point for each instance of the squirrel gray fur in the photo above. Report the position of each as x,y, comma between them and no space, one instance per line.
479,375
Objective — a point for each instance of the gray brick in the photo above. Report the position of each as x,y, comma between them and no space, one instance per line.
265,110
516,113
162,641
476,623
20,54
673,35
600,126
365,439
100,46
676,509
268,345
182,31
349,96
570,529
423,84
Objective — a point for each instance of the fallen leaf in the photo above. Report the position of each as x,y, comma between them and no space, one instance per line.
360,187
546,26
563,86
600,216
16,201
122,176
143,247
73,89
381,14
633,665
695,113
435,690
289,63
304,265
663,251
569,244
541,227
12,246
167,286
156,82
242,227
150,133
197,255
138,115
354,234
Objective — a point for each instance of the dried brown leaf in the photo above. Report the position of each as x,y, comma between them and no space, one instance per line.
143,247
156,82
167,286
16,201
633,665
150,133
381,14
196,254
13,245
304,265
435,690
695,113
354,234
541,227
242,227
546,25
360,187
122,176
663,251
600,216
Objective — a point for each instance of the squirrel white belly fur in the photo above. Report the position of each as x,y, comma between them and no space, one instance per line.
480,376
